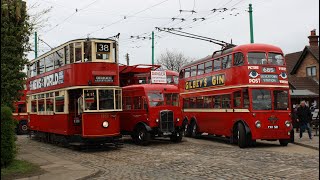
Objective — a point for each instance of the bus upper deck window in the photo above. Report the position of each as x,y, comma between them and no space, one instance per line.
275,59
187,73
238,59
181,74
257,58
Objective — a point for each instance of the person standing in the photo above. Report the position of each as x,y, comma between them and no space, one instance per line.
80,105
304,118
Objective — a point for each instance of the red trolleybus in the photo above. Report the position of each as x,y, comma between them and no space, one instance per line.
20,114
241,93
74,94
151,110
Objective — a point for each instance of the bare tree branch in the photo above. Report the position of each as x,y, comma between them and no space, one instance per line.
172,60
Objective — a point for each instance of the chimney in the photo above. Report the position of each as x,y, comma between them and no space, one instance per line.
313,39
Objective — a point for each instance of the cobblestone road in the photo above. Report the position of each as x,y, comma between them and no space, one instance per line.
208,158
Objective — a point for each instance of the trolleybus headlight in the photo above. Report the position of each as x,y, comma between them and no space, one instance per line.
287,123
105,124
157,120
178,119
258,124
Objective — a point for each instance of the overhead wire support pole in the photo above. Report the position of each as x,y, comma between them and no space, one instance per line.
251,23
152,37
35,45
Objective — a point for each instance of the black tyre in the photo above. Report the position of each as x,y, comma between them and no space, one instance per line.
141,136
23,128
176,137
242,139
284,142
194,130
185,127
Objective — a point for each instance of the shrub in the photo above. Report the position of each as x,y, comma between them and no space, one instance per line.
8,149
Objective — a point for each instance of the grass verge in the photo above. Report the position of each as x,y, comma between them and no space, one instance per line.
20,169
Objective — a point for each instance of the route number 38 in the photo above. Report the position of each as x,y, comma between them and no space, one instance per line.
103,47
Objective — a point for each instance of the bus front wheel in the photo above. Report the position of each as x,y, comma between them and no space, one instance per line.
176,136
242,139
141,136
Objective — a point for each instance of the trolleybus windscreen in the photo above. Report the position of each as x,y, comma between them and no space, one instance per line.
261,99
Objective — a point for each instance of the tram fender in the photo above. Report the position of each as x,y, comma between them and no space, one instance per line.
148,128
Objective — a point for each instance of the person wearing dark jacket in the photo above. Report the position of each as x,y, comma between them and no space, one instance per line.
304,118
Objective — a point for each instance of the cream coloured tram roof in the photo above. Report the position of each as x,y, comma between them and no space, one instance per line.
64,44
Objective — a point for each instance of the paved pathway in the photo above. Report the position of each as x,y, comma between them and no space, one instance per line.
305,141
206,158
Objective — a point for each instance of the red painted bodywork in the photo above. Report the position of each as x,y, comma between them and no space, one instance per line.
237,78
130,118
75,76
21,115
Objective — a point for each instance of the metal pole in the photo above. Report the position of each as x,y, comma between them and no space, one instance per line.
152,48
35,45
251,23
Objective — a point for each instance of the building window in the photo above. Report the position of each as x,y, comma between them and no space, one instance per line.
312,71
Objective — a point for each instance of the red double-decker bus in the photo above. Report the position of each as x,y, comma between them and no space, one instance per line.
150,103
241,93
74,94
20,114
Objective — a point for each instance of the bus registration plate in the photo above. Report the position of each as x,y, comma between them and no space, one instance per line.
273,127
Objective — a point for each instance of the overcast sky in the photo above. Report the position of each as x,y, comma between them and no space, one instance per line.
284,23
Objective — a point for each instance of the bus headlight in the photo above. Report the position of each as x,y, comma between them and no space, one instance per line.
105,124
258,124
287,123
178,119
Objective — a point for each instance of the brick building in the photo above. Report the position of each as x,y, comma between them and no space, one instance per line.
303,72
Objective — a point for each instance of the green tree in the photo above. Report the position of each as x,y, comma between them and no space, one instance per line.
15,31
8,149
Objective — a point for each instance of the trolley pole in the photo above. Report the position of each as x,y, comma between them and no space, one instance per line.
35,45
152,47
251,23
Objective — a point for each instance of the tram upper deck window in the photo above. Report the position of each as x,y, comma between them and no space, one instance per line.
78,52
275,59
200,69
87,51
257,58
208,67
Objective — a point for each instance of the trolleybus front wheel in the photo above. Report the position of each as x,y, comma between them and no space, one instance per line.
284,142
242,139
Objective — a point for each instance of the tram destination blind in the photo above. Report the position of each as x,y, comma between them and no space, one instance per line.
103,79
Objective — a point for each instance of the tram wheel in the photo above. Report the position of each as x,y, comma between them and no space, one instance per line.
176,137
284,142
23,128
142,136
242,139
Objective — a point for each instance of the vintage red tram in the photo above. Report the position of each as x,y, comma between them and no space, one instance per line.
74,94
241,93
